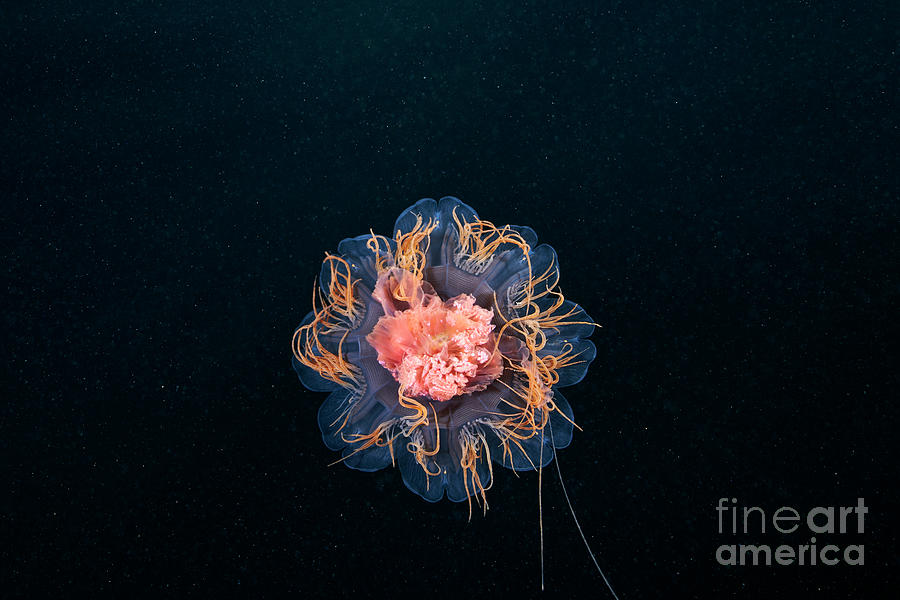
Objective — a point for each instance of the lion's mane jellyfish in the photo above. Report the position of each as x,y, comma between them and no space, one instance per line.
443,348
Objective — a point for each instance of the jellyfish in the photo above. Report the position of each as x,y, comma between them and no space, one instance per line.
443,348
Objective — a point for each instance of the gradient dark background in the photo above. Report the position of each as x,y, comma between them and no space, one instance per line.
720,181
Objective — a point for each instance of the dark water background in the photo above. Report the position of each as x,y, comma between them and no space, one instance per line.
720,181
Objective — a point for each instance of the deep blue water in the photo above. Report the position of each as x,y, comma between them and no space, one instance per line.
720,181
